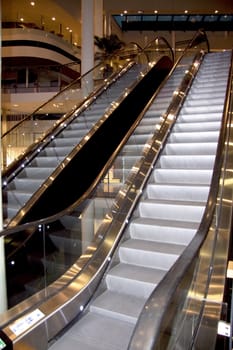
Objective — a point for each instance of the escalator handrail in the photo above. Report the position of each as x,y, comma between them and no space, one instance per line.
165,292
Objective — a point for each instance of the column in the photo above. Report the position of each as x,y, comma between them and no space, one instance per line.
87,24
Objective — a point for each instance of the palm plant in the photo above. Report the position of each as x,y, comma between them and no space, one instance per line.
108,44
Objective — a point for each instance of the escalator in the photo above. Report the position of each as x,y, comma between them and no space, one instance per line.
167,168
42,184
64,237
165,219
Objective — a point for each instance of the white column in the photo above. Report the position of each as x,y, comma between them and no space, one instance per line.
87,24
3,293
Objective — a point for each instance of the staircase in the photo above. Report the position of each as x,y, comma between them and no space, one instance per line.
17,193
165,220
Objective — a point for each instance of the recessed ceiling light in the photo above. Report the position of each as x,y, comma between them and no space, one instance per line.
32,3
155,11
186,11
216,11
53,18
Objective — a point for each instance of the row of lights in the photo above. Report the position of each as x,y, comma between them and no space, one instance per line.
156,11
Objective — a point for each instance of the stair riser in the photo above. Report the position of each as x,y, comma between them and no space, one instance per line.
182,176
150,259
168,234
187,162
189,148
182,137
125,286
171,212
179,193
196,127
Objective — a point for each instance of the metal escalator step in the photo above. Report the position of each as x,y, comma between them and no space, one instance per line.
202,117
182,176
35,172
120,306
187,162
134,280
64,142
17,198
197,148
49,162
151,254
158,230
192,126
201,136
172,210
217,101
25,184
178,192
56,151
203,109
99,332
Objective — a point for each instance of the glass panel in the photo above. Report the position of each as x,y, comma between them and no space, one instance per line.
180,18
166,18
196,18
210,18
119,19
131,18
226,18
150,18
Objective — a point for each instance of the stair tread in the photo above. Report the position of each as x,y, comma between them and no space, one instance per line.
167,223
112,302
173,202
152,246
137,273
99,332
